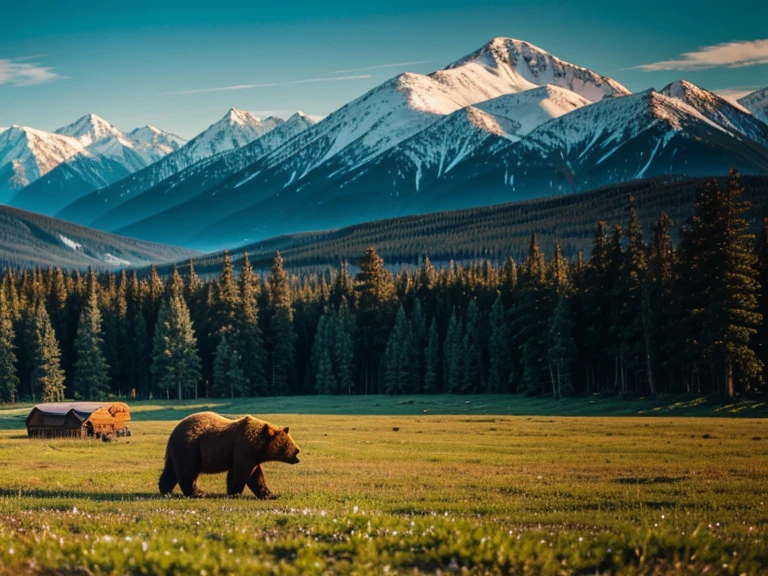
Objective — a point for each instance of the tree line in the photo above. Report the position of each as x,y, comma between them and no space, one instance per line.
639,316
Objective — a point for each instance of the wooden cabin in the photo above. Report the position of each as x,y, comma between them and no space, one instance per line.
78,420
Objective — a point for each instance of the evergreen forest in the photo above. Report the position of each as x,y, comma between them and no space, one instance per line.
665,310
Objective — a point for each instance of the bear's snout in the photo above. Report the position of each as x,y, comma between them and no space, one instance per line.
295,459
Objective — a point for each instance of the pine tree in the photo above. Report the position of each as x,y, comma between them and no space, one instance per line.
175,287
322,366
415,351
562,348
9,379
47,375
657,313
634,348
228,378
175,362
343,347
397,368
473,370
453,359
343,286
249,341
617,297
432,359
375,298
227,298
282,336
530,317
499,349
761,338
91,369
596,301
723,298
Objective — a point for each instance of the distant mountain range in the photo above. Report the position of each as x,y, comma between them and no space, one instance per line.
29,240
225,148
508,122
489,232
44,171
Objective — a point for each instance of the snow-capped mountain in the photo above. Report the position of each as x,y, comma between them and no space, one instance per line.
156,142
108,155
98,154
408,103
508,60
731,117
234,130
617,140
757,103
402,176
26,154
394,112
508,122
105,140
199,177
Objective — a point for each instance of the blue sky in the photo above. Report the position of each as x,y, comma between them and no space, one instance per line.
156,62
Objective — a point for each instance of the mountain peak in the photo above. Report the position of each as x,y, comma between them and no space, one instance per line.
757,104
239,117
508,57
89,129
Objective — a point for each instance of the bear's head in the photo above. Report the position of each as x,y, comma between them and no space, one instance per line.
280,446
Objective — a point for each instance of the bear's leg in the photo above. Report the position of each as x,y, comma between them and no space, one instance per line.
187,473
168,478
236,479
258,485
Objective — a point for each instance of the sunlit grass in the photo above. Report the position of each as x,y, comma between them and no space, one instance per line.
483,493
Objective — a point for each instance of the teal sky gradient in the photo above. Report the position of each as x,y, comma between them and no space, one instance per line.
132,65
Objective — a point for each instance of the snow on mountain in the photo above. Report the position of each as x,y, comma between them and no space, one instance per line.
505,61
90,129
732,117
617,140
156,142
389,183
31,240
757,103
108,155
26,154
199,177
484,128
233,131
104,140
408,103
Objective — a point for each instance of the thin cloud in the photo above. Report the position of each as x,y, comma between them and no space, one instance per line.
380,66
737,93
23,72
728,55
271,84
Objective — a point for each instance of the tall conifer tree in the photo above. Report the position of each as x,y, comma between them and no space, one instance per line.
9,379
91,380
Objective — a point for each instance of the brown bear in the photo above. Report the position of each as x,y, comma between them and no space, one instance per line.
208,443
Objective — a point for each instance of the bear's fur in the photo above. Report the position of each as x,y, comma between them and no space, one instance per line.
207,443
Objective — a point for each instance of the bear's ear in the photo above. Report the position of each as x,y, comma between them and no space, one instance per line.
267,430
285,429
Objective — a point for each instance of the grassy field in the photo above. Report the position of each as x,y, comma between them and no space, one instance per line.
384,486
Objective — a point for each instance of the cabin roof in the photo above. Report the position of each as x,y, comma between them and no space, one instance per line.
81,410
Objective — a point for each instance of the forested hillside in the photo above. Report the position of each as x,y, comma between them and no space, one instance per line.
495,232
639,316
29,240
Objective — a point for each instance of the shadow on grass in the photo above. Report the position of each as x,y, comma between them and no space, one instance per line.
43,494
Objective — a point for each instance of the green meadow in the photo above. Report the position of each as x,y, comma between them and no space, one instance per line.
419,484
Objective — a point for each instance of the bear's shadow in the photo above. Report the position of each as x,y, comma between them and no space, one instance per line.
43,494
